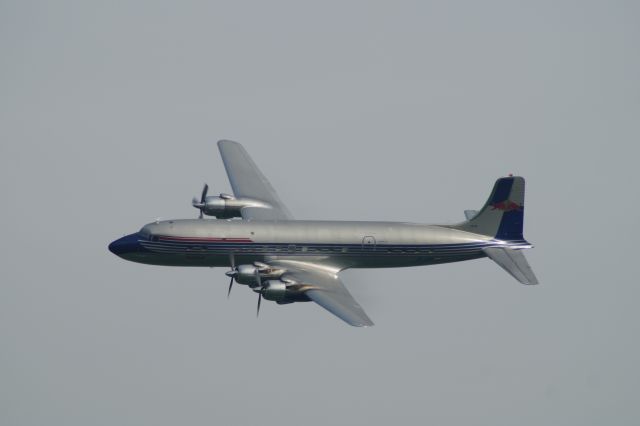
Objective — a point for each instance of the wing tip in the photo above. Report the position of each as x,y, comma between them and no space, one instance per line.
223,142
360,322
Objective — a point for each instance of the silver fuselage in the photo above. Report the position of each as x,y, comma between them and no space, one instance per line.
336,244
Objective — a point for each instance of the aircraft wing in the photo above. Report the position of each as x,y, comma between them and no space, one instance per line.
248,181
328,291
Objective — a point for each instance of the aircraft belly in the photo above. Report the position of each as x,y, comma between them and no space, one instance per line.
405,261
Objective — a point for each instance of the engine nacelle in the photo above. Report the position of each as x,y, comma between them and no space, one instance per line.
225,206
283,292
246,274
220,207
274,290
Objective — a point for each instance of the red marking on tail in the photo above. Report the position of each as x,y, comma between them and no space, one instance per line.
506,206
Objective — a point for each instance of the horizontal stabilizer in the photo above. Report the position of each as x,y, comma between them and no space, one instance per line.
514,262
470,214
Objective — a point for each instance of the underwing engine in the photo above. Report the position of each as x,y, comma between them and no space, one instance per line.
223,206
275,290
281,292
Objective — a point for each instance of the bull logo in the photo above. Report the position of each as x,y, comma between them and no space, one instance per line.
507,206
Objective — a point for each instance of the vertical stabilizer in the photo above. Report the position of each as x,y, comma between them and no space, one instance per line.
502,217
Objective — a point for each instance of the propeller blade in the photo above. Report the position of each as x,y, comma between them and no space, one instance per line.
198,205
259,300
205,189
232,273
230,285
203,199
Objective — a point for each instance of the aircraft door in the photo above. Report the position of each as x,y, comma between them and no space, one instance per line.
369,243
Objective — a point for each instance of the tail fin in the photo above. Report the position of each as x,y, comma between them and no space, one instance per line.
502,216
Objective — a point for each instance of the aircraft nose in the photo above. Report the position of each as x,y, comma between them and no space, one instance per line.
124,245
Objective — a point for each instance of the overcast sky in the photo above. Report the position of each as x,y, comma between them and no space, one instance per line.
408,111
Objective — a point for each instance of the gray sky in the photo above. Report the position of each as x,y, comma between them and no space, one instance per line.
406,111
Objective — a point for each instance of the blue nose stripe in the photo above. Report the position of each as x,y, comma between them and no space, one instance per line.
125,245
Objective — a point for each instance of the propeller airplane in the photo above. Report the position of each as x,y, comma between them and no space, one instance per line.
286,260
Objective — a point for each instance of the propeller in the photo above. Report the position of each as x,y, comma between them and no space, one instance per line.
259,291
232,273
259,300
200,204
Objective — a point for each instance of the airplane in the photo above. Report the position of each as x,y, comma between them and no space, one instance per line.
286,260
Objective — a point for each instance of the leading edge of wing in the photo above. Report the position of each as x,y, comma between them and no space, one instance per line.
328,291
247,180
